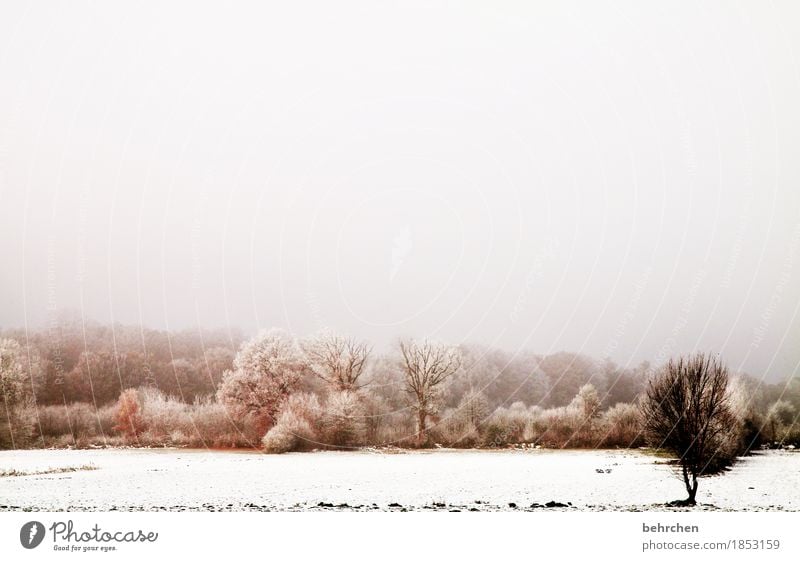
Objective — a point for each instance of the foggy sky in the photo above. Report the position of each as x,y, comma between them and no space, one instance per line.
618,179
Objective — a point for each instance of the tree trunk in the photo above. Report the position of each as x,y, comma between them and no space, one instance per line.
692,491
691,487
421,427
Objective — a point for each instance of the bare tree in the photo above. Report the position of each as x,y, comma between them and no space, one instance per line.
338,360
426,366
686,411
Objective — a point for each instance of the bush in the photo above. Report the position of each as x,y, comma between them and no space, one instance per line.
557,427
17,428
343,420
294,429
163,415
506,426
459,427
455,430
621,426
213,427
75,424
159,419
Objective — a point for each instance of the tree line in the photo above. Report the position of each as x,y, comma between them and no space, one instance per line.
83,385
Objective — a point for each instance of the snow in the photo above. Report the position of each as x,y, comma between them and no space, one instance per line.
170,479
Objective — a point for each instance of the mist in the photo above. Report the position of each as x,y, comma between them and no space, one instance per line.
616,182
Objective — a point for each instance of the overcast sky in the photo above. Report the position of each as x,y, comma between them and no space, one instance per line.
619,179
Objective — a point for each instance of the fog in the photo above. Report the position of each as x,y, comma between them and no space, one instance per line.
604,178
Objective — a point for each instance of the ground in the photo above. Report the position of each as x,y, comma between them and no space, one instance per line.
170,479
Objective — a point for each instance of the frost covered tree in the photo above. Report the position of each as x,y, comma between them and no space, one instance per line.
266,370
13,381
426,365
338,360
344,420
15,389
587,402
686,411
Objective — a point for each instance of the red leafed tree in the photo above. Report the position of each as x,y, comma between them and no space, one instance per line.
129,415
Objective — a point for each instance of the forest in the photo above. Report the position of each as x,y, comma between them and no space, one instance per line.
78,384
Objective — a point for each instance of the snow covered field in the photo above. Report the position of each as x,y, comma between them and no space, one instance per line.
172,479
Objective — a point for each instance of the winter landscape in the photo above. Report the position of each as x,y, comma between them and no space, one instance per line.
417,256
324,423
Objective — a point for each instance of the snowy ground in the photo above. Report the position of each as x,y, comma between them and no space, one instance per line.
367,480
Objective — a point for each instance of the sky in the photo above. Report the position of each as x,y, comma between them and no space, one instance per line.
619,179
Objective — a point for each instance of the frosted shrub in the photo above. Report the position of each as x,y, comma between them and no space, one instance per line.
291,433
343,420
459,427
533,429
149,439
178,438
557,426
158,420
83,422
79,423
621,426
455,430
74,419
213,427
162,414
295,428
505,426
18,427
53,420
105,420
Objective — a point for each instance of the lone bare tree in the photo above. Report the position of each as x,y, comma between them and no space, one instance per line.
686,411
426,366
338,360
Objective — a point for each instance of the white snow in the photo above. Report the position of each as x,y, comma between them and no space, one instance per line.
198,479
